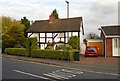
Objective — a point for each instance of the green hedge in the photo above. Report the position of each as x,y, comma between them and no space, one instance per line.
49,54
63,47
74,41
16,51
37,53
31,43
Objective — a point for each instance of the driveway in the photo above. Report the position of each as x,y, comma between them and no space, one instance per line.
108,61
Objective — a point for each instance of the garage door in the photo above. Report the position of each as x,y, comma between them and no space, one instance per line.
98,44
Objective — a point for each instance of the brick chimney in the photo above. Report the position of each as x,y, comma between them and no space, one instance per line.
51,19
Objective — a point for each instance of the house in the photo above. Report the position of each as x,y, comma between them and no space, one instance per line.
56,30
96,42
111,40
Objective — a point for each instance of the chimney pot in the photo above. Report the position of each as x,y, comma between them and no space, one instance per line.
51,19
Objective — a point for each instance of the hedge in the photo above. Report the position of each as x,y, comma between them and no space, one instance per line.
37,53
31,43
74,41
63,47
16,51
49,54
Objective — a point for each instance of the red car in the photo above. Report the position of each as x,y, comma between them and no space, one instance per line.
91,51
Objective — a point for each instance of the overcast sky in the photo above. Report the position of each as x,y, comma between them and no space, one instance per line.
95,13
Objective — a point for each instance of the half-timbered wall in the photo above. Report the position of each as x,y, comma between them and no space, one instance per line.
44,38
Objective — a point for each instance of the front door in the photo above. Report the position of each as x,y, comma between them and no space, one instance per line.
116,46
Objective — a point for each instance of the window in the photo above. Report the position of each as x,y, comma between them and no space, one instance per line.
61,35
42,34
42,39
75,33
117,42
91,49
49,35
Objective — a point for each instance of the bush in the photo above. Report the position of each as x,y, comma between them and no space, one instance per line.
49,48
16,51
49,54
31,44
18,46
63,47
74,41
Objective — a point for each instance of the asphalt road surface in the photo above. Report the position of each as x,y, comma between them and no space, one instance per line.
18,69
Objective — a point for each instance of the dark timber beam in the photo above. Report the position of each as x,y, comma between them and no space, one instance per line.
82,29
45,37
78,34
39,39
30,34
55,36
64,37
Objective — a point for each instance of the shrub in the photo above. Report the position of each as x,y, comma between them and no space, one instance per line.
31,43
74,41
18,46
49,54
49,48
63,47
16,51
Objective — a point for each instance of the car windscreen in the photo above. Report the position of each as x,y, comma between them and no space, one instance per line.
91,49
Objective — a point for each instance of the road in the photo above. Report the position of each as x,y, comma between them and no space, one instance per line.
18,69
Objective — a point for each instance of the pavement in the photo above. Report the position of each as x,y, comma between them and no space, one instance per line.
102,61
108,65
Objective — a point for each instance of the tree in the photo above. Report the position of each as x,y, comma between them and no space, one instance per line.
74,41
13,32
92,36
85,41
55,14
26,22
6,24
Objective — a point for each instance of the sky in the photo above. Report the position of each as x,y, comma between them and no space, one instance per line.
95,13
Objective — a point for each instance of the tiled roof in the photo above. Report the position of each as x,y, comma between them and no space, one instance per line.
111,30
59,25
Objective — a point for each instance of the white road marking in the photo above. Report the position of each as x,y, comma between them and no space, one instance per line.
51,76
63,74
69,71
30,74
58,76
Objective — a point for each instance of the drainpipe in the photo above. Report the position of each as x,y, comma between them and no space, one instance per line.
105,47
105,39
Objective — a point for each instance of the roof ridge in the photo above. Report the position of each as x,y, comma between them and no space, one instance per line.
111,26
60,19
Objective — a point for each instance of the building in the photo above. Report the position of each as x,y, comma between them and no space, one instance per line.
56,30
111,40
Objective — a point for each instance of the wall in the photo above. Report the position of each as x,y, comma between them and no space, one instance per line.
108,47
49,35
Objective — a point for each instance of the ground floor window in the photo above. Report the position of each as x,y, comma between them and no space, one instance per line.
117,42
